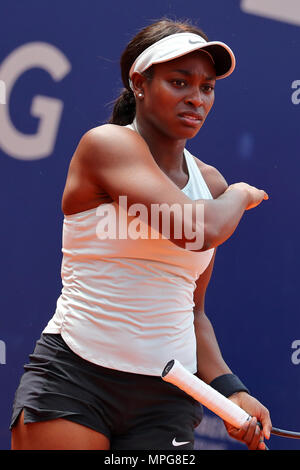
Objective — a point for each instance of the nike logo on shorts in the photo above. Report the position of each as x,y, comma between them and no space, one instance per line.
175,443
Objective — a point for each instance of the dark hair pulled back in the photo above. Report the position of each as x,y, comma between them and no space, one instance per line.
124,107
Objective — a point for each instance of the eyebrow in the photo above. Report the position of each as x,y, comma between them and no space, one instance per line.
188,73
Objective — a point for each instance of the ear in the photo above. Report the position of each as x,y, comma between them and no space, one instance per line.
138,84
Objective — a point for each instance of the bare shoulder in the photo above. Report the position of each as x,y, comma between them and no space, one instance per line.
108,130
112,134
102,156
111,144
215,181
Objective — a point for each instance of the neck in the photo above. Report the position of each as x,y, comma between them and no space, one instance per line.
167,152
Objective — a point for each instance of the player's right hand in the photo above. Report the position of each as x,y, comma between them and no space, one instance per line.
255,195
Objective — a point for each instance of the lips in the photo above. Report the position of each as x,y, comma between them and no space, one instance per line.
191,118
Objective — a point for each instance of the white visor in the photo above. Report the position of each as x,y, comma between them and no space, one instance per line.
177,45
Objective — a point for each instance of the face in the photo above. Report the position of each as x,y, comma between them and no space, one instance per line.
179,96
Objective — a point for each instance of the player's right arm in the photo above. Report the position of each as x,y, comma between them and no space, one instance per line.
119,161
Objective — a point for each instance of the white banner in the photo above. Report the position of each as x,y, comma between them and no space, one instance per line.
280,10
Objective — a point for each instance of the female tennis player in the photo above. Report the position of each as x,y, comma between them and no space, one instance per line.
142,221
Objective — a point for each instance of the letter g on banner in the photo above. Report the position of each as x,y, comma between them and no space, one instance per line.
48,110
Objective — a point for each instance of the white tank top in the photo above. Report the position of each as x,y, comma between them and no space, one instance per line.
127,304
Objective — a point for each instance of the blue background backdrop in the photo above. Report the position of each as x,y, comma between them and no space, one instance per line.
251,135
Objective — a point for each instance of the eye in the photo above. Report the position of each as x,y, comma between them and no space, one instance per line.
208,88
179,83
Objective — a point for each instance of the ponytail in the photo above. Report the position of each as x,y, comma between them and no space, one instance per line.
124,109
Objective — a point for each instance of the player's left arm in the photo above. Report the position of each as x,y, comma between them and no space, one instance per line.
210,362
209,357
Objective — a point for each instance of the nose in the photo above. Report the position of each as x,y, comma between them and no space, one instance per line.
195,98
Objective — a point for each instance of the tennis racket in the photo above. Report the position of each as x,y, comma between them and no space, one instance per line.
176,374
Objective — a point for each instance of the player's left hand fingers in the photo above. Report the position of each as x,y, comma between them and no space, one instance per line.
254,408
253,435
266,423
250,434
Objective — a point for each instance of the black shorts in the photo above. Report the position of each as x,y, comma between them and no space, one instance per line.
134,411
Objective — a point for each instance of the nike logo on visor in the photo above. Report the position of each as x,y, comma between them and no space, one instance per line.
176,444
191,41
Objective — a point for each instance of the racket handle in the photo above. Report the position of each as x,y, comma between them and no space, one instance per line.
176,374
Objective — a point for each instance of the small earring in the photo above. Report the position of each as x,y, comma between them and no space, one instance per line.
140,95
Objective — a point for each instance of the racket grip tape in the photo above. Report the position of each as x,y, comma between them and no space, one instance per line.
176,374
